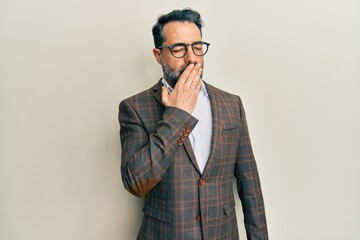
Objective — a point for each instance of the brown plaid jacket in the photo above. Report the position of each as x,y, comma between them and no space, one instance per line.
158,162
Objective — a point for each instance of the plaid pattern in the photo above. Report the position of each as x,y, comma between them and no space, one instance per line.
180,202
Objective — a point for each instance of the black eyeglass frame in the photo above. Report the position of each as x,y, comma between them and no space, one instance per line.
170,47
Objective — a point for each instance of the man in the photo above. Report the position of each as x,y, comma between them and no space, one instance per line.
184,140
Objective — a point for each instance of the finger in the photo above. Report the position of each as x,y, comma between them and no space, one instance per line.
192,75
196,78
184,76
197,81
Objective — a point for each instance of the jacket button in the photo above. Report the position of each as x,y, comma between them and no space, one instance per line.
180,142
188,129
198,218
202,182
182,138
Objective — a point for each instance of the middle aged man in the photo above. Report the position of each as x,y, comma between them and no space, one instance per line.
183,141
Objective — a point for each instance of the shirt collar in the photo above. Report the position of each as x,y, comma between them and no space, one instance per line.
203,88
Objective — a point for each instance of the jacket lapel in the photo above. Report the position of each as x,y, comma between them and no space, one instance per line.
216,109
190,152
157,93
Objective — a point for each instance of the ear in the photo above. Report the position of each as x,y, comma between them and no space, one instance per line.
157,55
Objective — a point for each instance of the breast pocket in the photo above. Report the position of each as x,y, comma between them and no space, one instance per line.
230,140
226,152
230,130
229,127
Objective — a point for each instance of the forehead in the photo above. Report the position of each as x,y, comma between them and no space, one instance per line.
186,32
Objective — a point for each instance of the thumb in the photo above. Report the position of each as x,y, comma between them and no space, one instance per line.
164,95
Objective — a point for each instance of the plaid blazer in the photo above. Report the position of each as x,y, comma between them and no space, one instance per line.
158,162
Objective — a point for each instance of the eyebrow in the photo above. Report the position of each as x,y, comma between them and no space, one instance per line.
185,43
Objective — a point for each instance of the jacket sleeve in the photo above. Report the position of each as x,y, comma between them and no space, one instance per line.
146,156
248,185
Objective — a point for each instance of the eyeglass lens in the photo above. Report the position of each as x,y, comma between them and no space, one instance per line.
180,50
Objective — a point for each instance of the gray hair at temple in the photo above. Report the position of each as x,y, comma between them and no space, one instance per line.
185,15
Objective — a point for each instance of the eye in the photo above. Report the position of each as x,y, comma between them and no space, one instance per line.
198,46
178,48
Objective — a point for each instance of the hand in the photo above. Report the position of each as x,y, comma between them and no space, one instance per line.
186,90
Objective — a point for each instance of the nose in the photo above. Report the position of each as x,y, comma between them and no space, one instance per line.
190,57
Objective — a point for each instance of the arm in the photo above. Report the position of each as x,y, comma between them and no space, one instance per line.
248,185
145,158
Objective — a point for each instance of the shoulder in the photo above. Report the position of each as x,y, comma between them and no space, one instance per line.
143,97
228,104
222,95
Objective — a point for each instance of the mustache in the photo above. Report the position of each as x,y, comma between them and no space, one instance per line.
182,69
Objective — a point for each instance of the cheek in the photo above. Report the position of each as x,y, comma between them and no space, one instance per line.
200,60
176,63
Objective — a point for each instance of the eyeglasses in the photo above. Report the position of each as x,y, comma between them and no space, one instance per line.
179,50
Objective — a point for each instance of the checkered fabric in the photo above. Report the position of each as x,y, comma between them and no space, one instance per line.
158,162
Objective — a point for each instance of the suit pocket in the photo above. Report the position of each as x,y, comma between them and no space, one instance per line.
228,208
228,126
230,130
157,213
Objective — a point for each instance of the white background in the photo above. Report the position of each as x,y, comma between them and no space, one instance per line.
65,66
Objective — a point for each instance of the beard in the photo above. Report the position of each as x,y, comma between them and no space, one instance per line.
171,76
